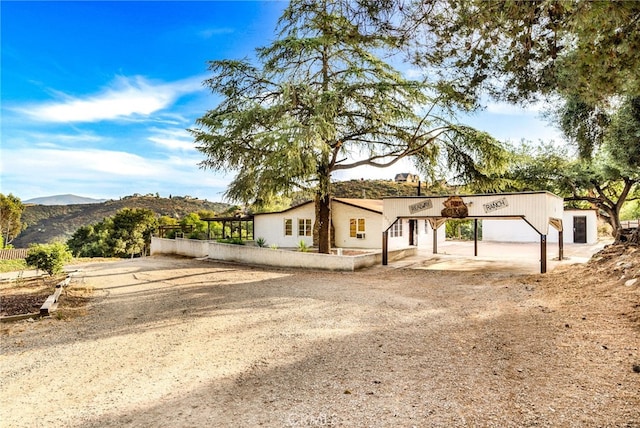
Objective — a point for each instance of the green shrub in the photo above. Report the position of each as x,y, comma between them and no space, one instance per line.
260,242
302,246
49,257
234,241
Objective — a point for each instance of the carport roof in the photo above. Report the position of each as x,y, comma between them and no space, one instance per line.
539,209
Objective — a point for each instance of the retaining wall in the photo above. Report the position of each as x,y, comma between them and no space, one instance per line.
266,256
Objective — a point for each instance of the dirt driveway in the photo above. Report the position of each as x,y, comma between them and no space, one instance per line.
185,343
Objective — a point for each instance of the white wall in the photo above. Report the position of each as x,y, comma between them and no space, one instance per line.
266,256
512,231
424,238
520,231
342,213
592,224
270,226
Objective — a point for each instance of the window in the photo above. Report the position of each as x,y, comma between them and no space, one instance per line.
288,227
356,228
304,227
396,229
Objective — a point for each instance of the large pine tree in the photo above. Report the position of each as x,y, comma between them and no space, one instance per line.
322,100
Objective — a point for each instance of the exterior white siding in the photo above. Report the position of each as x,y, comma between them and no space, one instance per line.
592,224
536,207
519,231
370,238
425,234
271,226
516,230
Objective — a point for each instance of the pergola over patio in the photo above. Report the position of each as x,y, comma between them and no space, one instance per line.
236,226
537,209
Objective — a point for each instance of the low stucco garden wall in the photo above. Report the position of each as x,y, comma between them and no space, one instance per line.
248,254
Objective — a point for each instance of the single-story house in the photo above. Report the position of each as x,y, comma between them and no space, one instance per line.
580,227
357,223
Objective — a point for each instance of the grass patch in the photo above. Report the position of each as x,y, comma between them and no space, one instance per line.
12,265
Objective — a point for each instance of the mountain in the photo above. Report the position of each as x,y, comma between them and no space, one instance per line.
63,200
47,223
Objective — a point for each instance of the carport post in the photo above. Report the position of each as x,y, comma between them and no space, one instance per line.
560,246
475,237
543,253
435,240
385,245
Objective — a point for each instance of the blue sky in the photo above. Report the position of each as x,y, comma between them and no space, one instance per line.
96,97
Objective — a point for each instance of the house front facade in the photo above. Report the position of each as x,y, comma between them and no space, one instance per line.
356,223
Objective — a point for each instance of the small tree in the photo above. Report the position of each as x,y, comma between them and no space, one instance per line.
199,227
49,257
132,229
92,240
10,213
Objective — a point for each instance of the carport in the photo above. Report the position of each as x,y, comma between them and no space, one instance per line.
538,209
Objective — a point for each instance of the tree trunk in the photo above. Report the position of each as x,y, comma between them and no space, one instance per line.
323,209
616,231
323,222
613,218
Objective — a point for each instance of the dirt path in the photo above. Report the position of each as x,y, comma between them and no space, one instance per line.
186,343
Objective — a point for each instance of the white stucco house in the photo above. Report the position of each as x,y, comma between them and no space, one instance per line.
580,227
357,223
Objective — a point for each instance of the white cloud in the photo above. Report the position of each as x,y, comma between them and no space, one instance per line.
124,98
34,172
173,139
77,164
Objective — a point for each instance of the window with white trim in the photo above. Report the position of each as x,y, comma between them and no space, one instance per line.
356,228
288,227
396,229
304,227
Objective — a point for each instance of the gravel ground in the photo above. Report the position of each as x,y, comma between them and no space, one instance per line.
171,342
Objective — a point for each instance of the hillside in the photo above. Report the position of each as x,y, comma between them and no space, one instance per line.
46,223
377,189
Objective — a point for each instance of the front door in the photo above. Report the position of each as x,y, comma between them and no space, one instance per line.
413,228
580,229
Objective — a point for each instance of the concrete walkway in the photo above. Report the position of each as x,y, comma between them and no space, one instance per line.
497,256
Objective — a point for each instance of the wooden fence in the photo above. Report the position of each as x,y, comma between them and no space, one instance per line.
13,254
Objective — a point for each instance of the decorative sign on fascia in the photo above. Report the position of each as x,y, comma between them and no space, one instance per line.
454,207
420,206
496,205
